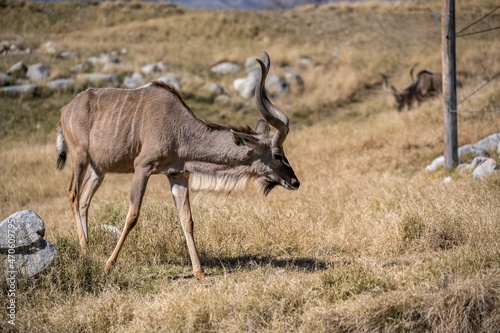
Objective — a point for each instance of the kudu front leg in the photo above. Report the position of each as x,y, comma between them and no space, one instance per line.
180,192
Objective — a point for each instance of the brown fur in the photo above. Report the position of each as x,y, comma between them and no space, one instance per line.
150,130
427,85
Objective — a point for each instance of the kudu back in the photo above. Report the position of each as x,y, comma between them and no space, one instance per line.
427,85
150,130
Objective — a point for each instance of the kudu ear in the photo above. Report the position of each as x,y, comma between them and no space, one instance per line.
244,139
394,90
262,127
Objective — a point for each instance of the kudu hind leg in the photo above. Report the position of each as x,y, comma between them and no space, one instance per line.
139,184
180,192
93,179
74,192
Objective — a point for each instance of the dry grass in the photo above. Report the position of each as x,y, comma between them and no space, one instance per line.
370,242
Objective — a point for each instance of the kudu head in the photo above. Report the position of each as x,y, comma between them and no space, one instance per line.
401,96
267,156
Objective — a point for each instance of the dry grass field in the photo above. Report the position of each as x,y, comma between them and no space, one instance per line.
370,242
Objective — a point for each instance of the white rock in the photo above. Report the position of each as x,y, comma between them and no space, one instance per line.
80,68
486,167
154,68
62,84
22,234
436,163
213,88
68,54
447,180
49,48
477,161
226,68
5,79
305,62
98,79
18,69
245,86
104,59
17,90
223,100
252,65
4,46
276,86
134,81
172,79
111,229
38,72
489,143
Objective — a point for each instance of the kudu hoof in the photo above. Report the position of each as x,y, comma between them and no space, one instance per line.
200,276
108,267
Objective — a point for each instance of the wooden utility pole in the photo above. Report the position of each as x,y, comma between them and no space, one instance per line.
449,82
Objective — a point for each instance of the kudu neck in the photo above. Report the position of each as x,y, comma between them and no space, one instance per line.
216,146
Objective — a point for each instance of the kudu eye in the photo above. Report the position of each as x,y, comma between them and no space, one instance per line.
277,157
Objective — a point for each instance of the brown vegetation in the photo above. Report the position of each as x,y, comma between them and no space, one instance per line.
370,242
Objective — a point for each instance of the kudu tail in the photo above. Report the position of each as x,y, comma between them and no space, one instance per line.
62,148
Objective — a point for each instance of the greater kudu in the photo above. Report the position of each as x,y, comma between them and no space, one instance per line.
150,130
427,85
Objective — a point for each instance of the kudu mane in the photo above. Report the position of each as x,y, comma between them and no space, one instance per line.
169,88
218,127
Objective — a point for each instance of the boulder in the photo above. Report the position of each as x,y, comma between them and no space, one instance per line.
104,59
134,81
213,88
305,62
154,68
276,86
245,87
49,48
484,167
171,79
68,55
19,90
4,46
252,65
489,143
479,152
223,100
98,79
38,72
5,79
62,84
23,250
435,164
19,69
226,68
79,68
471,150
295,80
111,230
